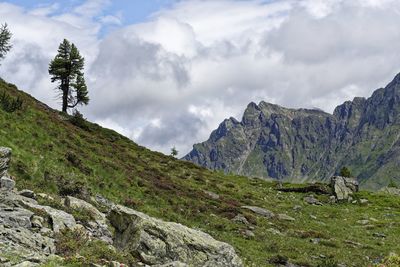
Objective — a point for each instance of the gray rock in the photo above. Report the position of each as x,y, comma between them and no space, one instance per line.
103,202
211,195
285,217
363,222
312,200
5,156
6,183
15,217
363,201
240,219
159,242
27,193
248,234
98,227
81,205
37,221
172,264
60,220
297,208
343,187
260,211
26,264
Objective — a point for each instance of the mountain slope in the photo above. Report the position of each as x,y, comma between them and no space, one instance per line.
61,155
300,145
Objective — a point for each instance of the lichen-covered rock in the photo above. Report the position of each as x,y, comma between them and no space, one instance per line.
159,242
60,220
260,211
5,156
98,227
81,205
343,187
6,183
19,239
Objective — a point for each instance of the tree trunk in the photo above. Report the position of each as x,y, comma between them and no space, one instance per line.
64,87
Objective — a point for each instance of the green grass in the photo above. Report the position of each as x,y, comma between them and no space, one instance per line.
55,155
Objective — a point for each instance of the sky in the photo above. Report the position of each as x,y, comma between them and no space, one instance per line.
165,73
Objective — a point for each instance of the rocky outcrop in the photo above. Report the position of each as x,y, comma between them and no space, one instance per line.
159,242
5,155
309,145
28,231
343,188
6,183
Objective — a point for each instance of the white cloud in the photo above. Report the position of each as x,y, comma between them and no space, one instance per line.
170,80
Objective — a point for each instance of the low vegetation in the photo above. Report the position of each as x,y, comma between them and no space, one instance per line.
54,154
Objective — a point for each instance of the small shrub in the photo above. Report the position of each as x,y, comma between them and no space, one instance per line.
70,187
279,260
392,184
132,203
345,172
78,120
10,104
68,242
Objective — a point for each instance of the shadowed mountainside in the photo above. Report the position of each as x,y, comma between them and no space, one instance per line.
310,145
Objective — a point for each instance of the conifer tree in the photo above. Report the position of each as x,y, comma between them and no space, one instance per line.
67,69
5,37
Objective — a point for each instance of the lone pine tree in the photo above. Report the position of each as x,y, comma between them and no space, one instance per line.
67,69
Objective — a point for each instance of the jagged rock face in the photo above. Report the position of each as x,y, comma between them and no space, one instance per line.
300,144
158,242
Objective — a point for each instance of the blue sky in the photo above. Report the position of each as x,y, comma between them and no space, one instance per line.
132,11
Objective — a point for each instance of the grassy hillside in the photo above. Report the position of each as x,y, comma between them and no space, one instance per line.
62,155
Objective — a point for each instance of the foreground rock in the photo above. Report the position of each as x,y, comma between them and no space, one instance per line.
159,242
21,240
343,187
28,230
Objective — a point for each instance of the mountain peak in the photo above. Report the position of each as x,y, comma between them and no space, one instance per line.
308,144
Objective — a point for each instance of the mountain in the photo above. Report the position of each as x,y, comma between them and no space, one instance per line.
310,145
63,156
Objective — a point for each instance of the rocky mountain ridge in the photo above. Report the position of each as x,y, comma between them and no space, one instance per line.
310,145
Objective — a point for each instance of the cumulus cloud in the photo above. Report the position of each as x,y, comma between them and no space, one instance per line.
169,81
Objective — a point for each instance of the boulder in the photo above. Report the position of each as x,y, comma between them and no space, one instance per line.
6,183
81,205
59,219
260,211
98,226
211,195
312,200
27,193
5,156
343,187
157,242
240,219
